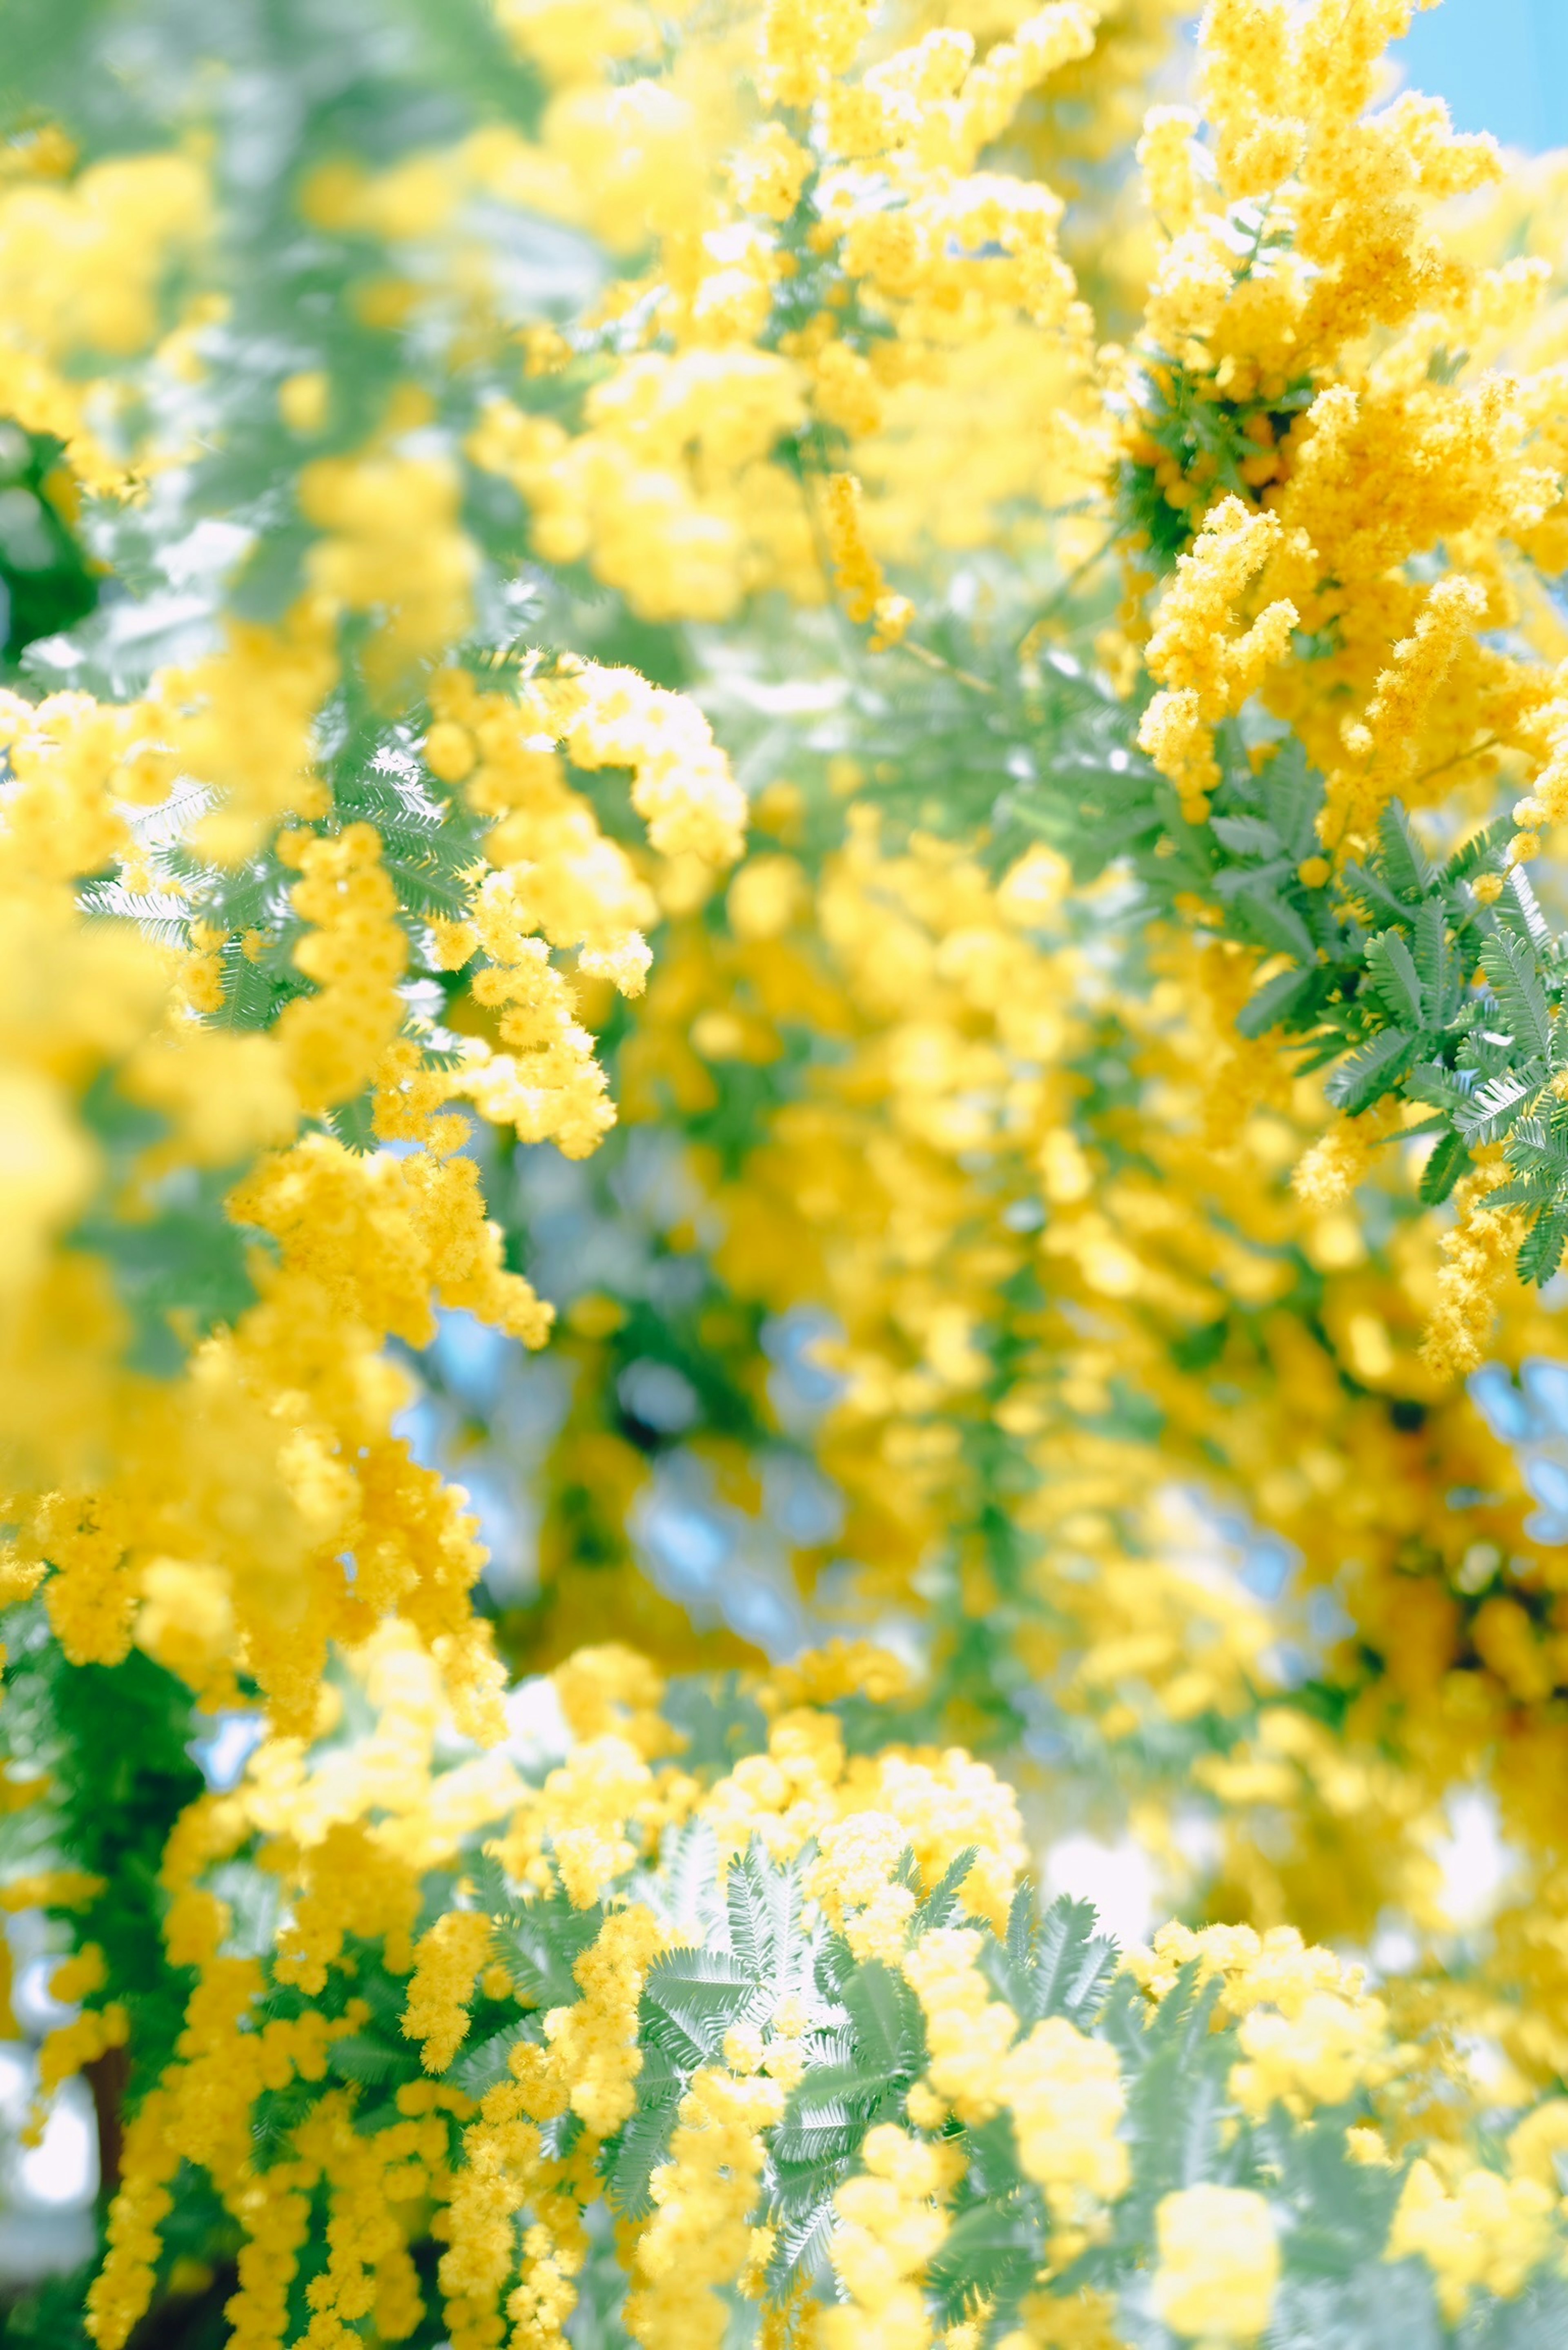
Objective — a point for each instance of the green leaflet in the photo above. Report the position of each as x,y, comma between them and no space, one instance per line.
1372,1071
868,2049
482,2066
645,2140
944,1902
691,1998
1448,1162
1509,963
992,2254
1058,1964
1395,976
358,2057
539,1943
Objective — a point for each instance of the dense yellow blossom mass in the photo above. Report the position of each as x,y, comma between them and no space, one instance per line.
784,1148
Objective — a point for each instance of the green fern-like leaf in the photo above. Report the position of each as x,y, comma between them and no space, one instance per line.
1395,976
942,1903
885,2018
799,2245
690,1999
1403,863
1372,1071
991,2256
1541,1250
1072,1962
1436,963
763,1907
1277,1002
1510,966
492,1890
480,2068
370,2063
540,1946
1449,1159
644,2142
1483,852
1494,1106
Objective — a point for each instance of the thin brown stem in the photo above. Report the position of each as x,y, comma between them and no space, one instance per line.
949,669
1475,751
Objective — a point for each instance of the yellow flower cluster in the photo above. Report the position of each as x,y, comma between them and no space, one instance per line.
1063,2090
355,1827
856,575
1307,298
81,258
309,933
579,888
698,2243
670,491
1308,2033
1218,2263
679,487
391,544
447,1963
1488,2230
240,723
1206,666
235,1518
890,2224
334,1041
957,996
682,785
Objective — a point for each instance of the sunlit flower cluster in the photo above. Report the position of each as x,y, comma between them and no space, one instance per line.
771,1041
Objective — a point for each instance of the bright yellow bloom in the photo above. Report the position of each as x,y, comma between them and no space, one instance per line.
1218,2263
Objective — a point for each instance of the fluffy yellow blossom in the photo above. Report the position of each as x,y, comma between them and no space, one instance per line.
1476,1268
968,2033
1206,665
447,1964
890,2224
1065,2095
69,2047
391,544
1171,162
806,42
682,785
1319,2055
1533,2147
1064,2091
577,1828
80,269
857,574
697,2239
854,1878
1329,1171
332,1042
59,1888
1486,2230
593,2046
767,175
1218,2263
547,1084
